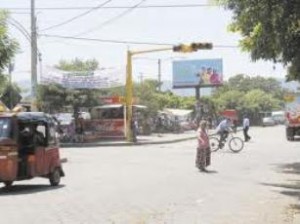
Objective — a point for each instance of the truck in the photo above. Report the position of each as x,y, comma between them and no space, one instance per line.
292,115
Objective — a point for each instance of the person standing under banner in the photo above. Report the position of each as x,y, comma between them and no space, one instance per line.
203,156
246,125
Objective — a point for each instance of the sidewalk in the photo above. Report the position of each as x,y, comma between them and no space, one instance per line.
141,140
155,138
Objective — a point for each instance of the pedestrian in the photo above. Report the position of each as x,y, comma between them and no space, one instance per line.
134,129
203,156
246,125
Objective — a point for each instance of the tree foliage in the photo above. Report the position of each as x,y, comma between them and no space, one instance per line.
270,30
54,97
8,48
251,95
78,65
155,100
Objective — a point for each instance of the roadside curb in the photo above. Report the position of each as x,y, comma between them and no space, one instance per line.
97,144
123,143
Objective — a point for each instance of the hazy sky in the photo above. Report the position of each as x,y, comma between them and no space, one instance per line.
159,25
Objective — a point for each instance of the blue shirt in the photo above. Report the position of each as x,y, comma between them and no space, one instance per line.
224,125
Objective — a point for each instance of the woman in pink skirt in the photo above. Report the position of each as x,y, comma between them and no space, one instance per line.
203,150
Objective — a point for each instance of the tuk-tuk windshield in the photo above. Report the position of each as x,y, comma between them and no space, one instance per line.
5,127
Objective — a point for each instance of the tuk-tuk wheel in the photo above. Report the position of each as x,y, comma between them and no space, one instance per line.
54,177
8,183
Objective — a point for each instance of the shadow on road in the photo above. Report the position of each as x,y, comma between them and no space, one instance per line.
27,189
291,187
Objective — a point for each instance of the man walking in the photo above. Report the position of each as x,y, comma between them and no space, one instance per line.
246,125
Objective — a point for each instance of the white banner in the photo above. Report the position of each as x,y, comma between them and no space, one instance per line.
99,79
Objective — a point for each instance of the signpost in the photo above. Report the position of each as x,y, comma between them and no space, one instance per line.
10,97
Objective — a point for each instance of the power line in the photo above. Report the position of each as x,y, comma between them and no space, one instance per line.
78,16
116,7
111,20
105,40
123,41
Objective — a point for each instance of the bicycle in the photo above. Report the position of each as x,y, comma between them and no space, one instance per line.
236,144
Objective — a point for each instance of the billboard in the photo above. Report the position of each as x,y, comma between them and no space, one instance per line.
197,73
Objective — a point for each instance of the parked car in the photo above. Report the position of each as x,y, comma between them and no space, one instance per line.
268,121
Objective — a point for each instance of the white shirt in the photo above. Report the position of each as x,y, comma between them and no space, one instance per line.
246,122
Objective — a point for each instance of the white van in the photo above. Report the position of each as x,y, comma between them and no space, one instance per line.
278,116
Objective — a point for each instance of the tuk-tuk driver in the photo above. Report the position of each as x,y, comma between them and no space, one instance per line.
38,137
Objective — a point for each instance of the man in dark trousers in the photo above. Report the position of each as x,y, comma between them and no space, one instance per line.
246,125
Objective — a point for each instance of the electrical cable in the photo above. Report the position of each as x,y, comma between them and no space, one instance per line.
106,40
117,7
111,20
78,16
124,41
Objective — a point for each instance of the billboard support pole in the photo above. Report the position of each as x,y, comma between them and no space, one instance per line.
198,109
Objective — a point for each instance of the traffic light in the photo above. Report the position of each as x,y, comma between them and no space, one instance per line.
201,46
186,48
183,48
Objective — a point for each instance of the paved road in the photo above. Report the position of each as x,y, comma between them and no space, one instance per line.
159,184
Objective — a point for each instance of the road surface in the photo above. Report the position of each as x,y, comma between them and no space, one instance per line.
160,184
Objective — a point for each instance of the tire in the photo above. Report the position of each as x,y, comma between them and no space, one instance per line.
289,134
236,144
214,144
8,184
54,177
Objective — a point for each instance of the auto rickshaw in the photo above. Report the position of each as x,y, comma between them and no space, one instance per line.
28,148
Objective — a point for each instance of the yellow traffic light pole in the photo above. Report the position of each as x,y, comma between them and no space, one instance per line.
129,88
184,48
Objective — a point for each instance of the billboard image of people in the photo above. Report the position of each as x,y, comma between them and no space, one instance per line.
193,73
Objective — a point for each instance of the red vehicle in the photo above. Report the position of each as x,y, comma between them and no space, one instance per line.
292,115
28,148
232,114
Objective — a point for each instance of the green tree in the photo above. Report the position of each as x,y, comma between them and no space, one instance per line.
245,83
51,98
78,65
257,101
8,48
54,97
231,99
270,30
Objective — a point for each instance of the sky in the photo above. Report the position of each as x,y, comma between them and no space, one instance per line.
164,25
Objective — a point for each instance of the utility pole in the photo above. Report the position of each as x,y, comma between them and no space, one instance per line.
141,76
198,105
33,57
10,69
159,75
